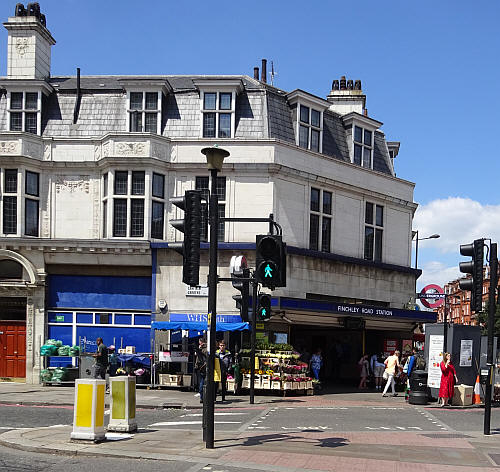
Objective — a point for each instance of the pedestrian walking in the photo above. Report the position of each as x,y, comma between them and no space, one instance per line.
378,371
363,366
200,365
316,363
391,368
448,379
224,357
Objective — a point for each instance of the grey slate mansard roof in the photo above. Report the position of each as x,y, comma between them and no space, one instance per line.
104,101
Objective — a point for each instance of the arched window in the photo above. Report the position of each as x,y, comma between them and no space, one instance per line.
10,269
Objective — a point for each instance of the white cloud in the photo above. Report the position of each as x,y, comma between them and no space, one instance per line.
458,221
434,272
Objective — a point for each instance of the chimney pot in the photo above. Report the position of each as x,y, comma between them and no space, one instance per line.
365,111
256,73
342,83
264,71
357,85
335,85
349,85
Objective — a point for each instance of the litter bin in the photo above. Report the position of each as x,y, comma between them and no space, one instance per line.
418,388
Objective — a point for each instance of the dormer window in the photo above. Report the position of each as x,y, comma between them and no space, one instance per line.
307,115
218,114
310,128
363,147
218,106
144,112
361,129
24,111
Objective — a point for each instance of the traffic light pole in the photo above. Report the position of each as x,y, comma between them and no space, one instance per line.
209,397
491,325
253,340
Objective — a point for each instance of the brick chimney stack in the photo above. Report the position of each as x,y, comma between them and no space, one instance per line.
29,44
346,96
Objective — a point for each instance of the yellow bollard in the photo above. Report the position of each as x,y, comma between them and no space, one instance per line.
122,407
88,418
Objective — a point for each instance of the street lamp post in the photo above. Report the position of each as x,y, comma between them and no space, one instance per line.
417,239
215,157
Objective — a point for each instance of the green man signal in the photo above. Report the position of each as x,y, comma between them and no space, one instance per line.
270,261
264,308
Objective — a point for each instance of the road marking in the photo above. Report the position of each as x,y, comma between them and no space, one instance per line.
392,428
306,427
180,423
326,408
216,414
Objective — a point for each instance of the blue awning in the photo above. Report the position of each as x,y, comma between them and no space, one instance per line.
197,326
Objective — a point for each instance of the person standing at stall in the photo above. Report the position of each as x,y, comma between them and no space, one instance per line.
200,365
101,360
448,379
224,357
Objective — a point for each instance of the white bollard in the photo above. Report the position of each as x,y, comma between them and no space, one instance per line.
122,407
88,419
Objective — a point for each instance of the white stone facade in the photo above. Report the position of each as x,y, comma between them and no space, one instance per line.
265,173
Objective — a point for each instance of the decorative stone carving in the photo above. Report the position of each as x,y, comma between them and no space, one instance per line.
130,149
32,149
97,152
158,150
47,152
96,205
106,149
173,154
9,147
72,183
22,46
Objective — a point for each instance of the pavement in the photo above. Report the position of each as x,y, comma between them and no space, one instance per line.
281,451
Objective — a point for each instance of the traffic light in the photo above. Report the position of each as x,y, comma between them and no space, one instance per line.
264,307
475,268
242,298
190,225
270,261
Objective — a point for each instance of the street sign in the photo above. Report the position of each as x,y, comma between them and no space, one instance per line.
432,296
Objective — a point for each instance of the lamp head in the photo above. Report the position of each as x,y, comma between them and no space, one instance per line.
434,236
215,157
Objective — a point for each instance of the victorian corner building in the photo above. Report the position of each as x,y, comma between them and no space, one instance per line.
87,167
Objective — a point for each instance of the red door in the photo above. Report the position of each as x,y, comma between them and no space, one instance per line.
12,349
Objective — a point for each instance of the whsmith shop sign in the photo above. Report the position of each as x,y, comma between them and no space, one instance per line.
296,304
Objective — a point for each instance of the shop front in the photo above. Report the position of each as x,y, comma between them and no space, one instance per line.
343,332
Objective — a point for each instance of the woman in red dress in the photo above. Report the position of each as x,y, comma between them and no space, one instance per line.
448,379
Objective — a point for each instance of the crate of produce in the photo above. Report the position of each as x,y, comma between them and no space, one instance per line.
265,382
275,385
246,381
309,384
257,381
175,379
163,379
231,386
288,385
302,385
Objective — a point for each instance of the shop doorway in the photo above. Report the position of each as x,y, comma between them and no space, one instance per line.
340,350
12,337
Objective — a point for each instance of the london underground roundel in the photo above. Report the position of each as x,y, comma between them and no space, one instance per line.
432,296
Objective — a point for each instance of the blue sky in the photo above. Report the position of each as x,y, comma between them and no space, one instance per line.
430,71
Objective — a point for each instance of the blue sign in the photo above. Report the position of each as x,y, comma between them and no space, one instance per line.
203,317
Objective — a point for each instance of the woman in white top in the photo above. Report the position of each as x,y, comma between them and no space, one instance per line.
391,367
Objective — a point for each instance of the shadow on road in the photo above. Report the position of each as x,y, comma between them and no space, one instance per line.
281,438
